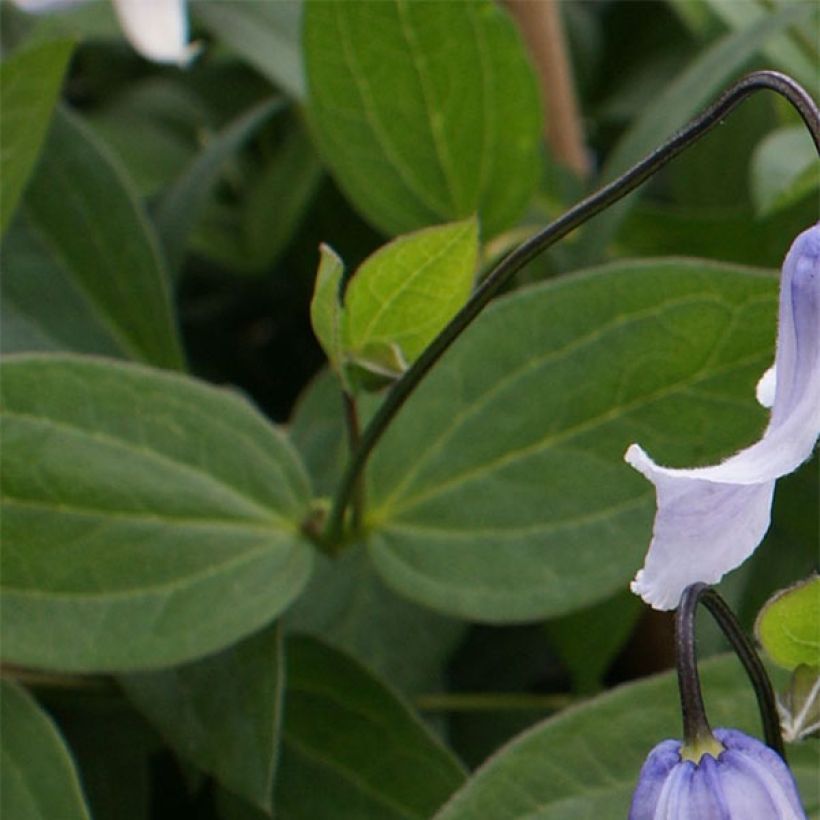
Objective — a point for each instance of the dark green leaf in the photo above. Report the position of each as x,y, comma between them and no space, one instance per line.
501,484
85,216
352,749
38,780
414,110
222,713
178,210
148,518
585,762
29,84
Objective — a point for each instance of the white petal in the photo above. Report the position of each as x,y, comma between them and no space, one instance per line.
766,387
158,29
39,6
710,519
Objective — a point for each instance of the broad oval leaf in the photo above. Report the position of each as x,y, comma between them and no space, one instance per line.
147,518
84,219
405,293
449,127
498,487
351,748
326,306
788,626
38,779
222,713
29,85
585,761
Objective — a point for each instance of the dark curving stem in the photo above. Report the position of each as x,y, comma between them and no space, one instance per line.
569,221
695,724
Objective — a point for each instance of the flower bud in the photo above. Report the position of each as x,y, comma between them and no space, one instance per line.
744,780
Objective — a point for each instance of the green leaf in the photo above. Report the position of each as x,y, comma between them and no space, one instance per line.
435,134
264,34
405,293
352,748
177,212
348,605
784,169
38,780
682,99
501,484
222,713
83,214
30,83
326,307
588,640
788,626
585,762
148,518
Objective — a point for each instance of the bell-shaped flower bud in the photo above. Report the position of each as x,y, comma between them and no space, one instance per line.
739,778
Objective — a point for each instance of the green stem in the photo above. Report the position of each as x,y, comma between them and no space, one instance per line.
354,440
527,251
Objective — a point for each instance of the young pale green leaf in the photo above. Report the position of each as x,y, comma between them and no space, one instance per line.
84,216
788,626
404,294
148,518
180,206
500,483
449,127
38,779
29,85
222,713
585,762
353,749
784,169
326,307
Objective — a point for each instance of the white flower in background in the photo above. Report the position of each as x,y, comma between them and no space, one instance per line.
710,519
157,29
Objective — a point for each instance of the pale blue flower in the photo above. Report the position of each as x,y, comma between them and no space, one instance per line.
746,780
157,29
710,519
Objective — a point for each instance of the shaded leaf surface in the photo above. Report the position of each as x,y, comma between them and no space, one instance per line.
498,486
29,84
351,748
222,713
39,780
147,518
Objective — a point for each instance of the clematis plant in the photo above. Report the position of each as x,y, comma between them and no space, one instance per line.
157,29
711,519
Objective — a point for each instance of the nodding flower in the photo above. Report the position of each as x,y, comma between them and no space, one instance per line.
711,519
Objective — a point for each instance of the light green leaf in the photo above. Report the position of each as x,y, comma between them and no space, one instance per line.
326,307
682,99
784,169
177,212
264,33
435,134
30,82
502,484
788,626
404,294
585,761
38,780
378,760
84,216
222,713
148,518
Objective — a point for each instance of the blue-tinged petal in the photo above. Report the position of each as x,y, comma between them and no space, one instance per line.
158,29
710,519
654,773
